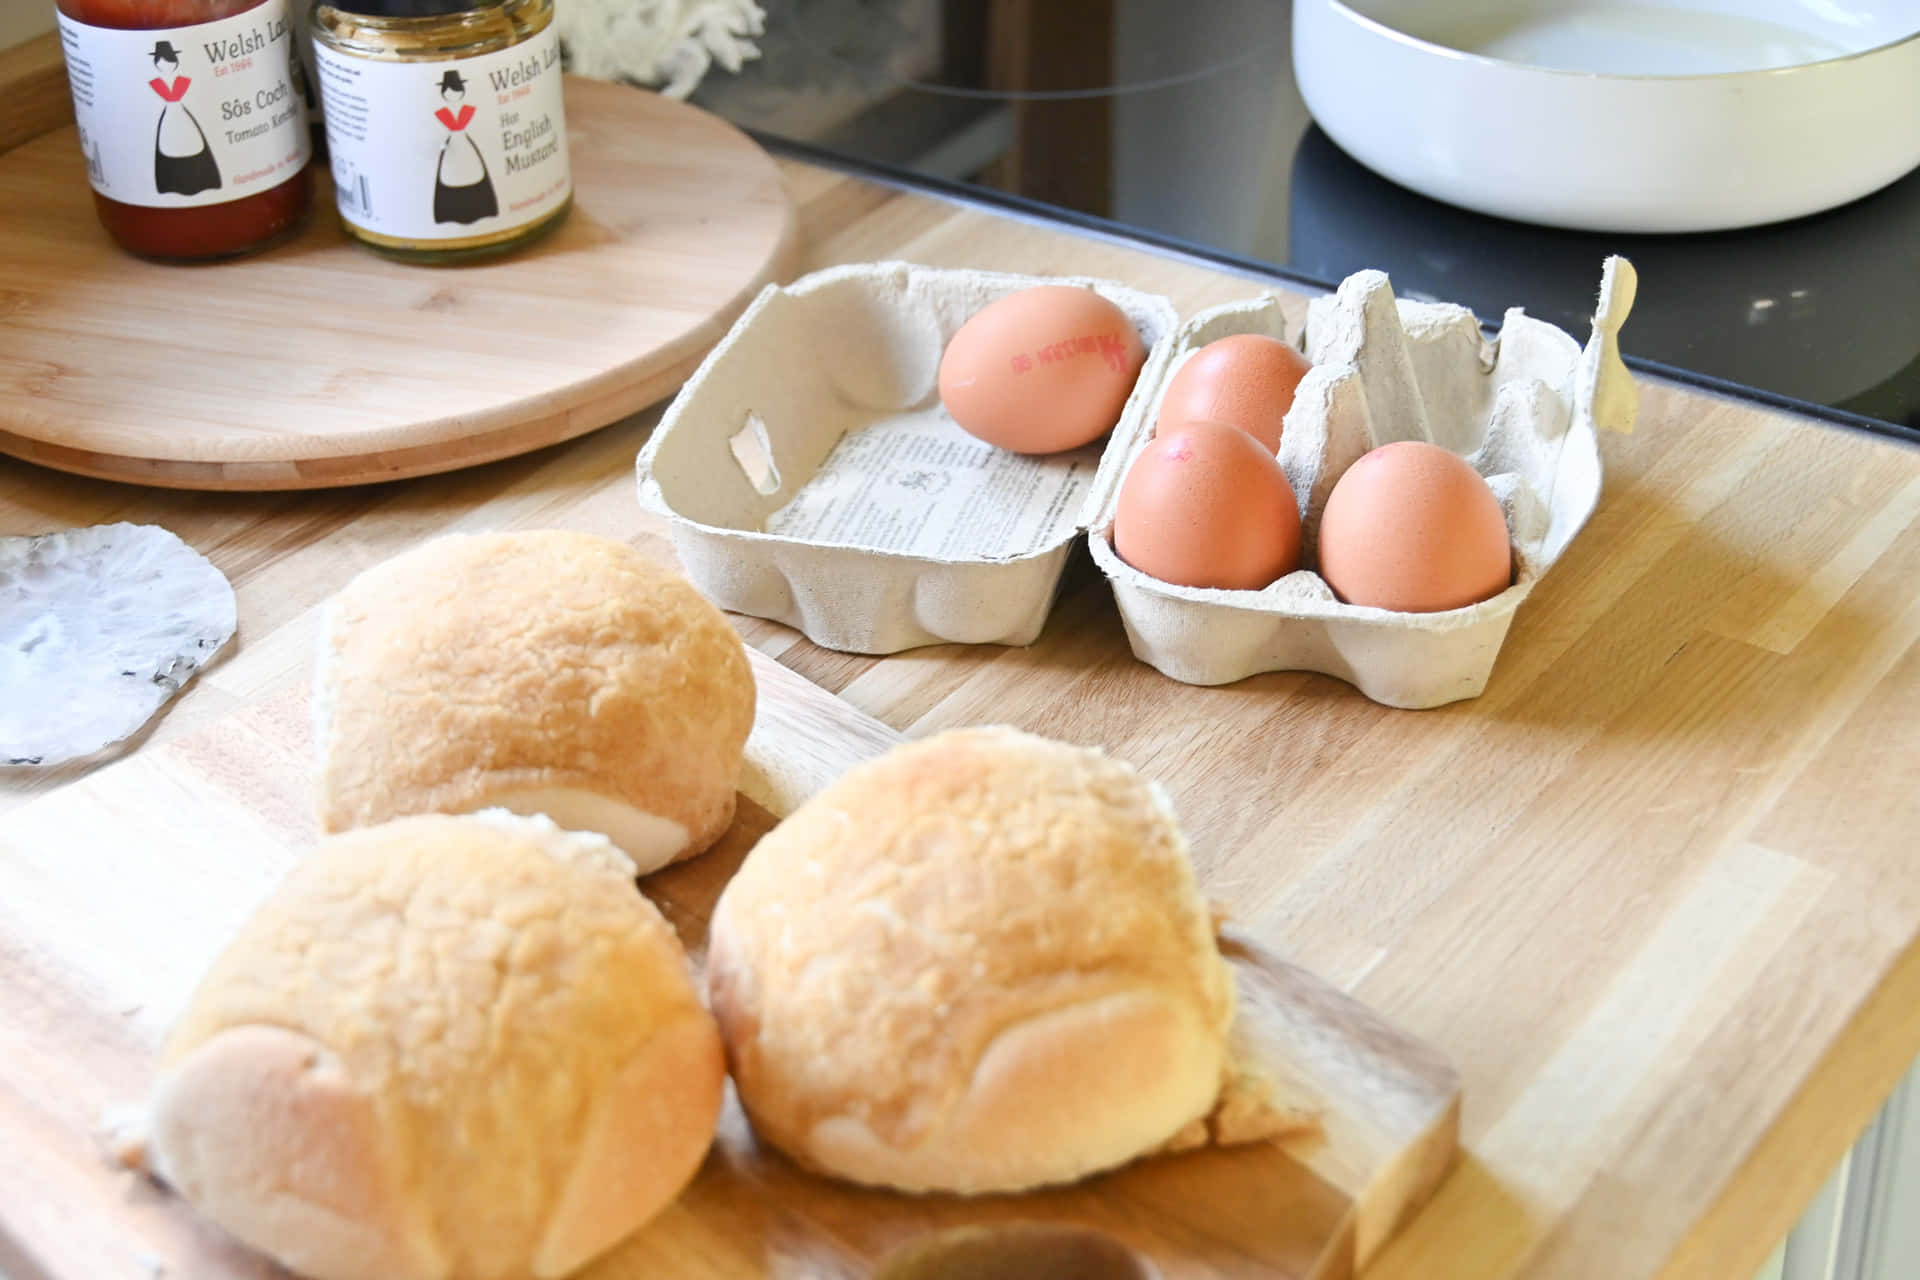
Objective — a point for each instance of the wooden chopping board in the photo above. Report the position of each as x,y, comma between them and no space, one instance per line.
319,363
117,891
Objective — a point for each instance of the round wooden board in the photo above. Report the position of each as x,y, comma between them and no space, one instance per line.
319,363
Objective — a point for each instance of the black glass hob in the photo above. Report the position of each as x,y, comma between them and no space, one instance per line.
1181,125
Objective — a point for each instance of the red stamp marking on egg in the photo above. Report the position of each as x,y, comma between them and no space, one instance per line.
1109,347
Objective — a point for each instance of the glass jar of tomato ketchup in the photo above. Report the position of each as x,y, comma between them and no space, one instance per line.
192,118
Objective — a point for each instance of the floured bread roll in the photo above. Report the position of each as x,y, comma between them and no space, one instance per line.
543,672
446,1047
979,963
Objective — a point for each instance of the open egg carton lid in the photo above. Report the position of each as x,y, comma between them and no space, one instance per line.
1523,410
809,474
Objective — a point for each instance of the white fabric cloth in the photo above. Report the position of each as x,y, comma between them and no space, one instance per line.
670,44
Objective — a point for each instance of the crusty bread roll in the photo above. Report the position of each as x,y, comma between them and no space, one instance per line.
977,964
544,672
446,1048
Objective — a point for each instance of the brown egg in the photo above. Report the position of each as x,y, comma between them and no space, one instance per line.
1246,381
1413,527
1041,370
1204,505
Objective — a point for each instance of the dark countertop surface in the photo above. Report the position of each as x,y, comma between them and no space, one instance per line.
1181,124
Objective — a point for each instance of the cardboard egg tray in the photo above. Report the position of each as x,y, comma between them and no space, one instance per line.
1522,411
809,474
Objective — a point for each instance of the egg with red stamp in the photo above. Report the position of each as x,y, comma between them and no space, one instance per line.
1414,528
1246,380
1042,369
1205,505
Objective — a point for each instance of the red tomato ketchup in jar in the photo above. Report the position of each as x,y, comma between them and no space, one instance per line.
192,116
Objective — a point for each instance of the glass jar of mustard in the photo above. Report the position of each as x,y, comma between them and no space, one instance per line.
444,123
191,122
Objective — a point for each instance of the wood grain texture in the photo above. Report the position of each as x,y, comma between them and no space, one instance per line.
1655,893
108,914
320,364
33,85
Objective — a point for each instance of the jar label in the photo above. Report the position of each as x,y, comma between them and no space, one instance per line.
447,150
175,117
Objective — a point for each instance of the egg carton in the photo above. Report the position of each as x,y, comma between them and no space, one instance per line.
1523,411
808,473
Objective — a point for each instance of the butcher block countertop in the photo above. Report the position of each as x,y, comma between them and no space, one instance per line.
1656,893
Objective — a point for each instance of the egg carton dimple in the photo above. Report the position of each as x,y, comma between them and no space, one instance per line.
1523,411
848,352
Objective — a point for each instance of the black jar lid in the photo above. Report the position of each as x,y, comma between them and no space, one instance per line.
409,8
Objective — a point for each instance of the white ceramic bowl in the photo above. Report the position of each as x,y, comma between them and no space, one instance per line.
1601,115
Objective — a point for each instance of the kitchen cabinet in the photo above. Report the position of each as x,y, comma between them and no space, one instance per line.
1865,1223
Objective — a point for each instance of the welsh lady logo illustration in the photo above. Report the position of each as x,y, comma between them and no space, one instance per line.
462,191
183,163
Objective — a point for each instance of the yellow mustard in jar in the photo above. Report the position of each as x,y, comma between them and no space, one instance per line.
444,122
